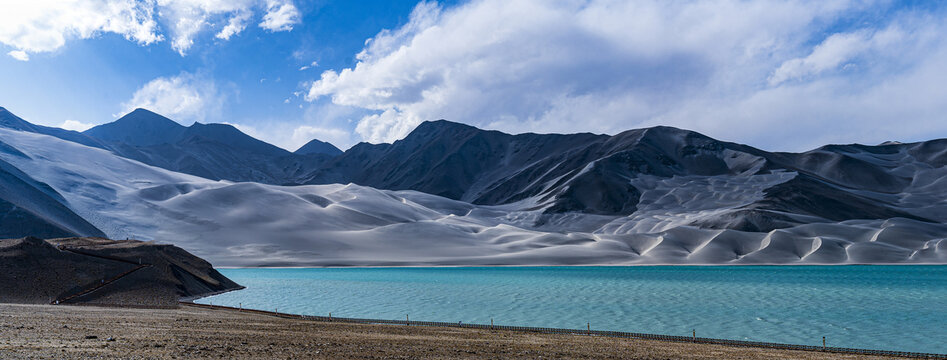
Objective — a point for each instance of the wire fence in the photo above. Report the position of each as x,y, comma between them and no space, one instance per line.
588,332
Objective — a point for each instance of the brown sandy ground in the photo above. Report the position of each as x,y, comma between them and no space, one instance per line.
56,332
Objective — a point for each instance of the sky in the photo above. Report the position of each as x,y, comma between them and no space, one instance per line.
778,75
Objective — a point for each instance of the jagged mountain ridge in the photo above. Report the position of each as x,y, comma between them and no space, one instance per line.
557,173
212,151
592,173
253,224
643,180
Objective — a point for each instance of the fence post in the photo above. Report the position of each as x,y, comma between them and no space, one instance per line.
588,328
491,323
407,320
330,316
695,334
823,343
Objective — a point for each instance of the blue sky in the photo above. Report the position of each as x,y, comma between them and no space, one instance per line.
780,75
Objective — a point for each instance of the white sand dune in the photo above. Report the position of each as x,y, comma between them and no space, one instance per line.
251,224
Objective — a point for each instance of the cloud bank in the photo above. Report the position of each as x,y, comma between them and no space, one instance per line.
74,125
777,74
38,26
185,98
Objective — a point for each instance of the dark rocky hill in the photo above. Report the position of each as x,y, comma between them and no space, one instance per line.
103,272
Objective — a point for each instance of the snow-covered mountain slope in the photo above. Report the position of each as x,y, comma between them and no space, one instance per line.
32,208
617,175
10,121
562,174
29,208
251,224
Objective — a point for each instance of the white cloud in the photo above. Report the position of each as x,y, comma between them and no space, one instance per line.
292,137
75,125
187,18
235,25
836,50
19,55
607,66
46,25
330,123
311,65
280,16
185,98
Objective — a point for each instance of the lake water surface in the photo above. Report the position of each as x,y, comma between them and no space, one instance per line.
876,307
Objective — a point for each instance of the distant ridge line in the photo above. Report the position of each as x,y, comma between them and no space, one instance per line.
588,332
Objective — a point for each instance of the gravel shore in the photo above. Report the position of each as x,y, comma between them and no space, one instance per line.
56,332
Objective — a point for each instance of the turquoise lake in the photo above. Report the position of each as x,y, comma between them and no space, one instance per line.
875,307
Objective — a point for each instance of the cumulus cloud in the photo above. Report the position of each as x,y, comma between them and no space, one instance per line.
837,50
608,66
280,16
292,137
311,65
185,98
330,123
75,125
19,55
46,25
235,25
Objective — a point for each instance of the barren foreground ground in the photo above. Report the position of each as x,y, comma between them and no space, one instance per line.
45,331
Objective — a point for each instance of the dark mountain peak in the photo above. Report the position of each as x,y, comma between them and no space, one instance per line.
140,128
316,146
439,127
144,128
146,117
668,133
443,124
670,141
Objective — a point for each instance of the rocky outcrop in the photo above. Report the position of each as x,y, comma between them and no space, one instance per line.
103,272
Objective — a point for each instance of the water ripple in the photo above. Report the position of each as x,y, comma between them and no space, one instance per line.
878,307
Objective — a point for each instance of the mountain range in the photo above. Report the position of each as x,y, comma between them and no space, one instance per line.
450,193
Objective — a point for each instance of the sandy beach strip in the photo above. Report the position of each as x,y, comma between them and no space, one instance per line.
55,332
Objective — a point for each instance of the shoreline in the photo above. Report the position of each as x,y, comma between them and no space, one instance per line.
47,331
580,332
191,299
567,265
